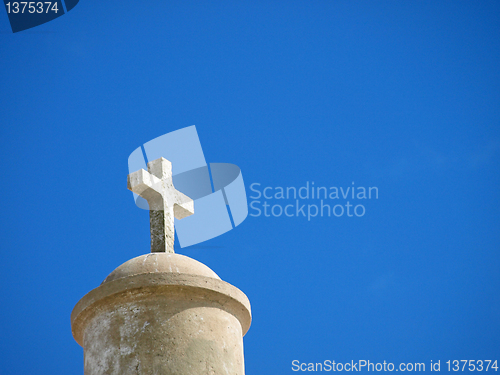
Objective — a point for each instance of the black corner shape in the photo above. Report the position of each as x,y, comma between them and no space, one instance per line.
27,14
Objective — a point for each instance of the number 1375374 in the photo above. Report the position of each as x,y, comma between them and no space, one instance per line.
472,365
31,7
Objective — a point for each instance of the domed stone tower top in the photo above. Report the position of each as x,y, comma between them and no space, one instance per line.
161,263
162,313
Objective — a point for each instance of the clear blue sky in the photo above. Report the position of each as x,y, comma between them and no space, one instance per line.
401,95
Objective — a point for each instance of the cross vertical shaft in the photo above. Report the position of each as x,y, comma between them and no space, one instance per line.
162,235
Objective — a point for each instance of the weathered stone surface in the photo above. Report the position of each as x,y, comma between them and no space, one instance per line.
162,314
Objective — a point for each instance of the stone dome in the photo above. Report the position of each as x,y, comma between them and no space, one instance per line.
161,263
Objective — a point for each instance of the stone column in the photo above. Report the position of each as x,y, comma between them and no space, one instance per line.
162,314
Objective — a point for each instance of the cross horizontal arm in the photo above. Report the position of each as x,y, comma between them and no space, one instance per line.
183,206
139,181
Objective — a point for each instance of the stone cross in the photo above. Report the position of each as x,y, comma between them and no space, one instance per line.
165,202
